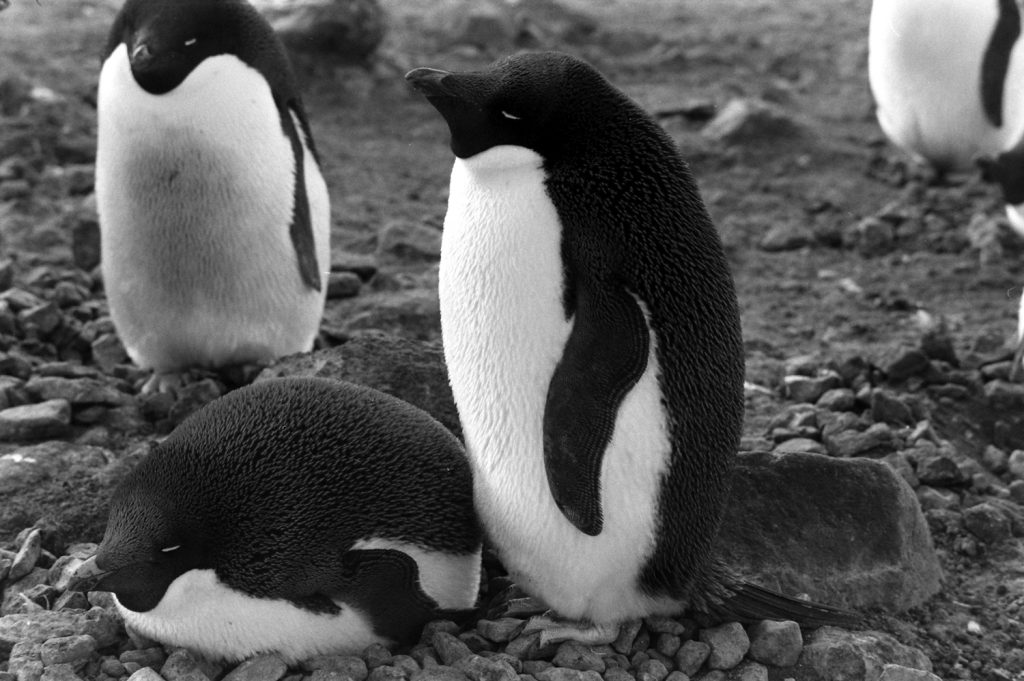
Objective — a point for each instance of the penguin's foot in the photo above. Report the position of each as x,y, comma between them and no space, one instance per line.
554,629
162,382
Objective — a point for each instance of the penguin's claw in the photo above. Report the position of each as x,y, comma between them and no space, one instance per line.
162,382
555,630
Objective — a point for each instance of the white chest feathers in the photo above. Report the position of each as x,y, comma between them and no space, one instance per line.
925,67
504,330
195,190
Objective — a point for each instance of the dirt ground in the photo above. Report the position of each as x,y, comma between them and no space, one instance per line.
386,159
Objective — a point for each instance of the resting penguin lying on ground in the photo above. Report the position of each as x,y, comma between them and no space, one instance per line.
299,516
214,217
592,338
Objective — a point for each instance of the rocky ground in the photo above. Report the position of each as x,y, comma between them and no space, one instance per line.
878,303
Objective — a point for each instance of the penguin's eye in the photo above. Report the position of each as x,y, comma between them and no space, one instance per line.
511,117
170,548
190,42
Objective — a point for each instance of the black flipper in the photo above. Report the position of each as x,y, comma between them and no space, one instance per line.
996,61
385,585
603,359
301,228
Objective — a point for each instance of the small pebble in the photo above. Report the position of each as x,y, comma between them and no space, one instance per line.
668,644
728,642
387,673
775,643
748,671
627,634
664,625
59,672
574,655
618,674
73,650
987,523
27,556
565,674
112,667
691,656
406,664
449,648
147,657
376,655
439,673
479,668
349,665
651,670
260,668
501,630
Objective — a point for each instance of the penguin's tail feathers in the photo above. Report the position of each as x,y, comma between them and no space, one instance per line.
750,603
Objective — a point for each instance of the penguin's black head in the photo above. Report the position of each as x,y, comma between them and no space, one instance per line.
544,101
167,39
148,543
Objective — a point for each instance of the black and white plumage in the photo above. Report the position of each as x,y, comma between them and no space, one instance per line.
214,216
592,337
296,516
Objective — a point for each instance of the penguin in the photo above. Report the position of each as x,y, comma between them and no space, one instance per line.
947,77
592,337
214,215
297,516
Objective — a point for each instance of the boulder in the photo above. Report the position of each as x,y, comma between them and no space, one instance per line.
410,370
847,532
348,30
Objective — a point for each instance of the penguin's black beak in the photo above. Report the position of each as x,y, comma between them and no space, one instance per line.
429,81
88,577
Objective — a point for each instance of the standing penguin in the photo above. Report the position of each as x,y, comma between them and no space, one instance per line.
214,217
592,338
300,516
948,77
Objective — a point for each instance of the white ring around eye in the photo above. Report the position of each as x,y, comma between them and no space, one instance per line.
190,42
509,116
171,548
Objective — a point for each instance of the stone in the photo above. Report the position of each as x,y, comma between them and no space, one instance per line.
888,408
182,665
896,672
59,672
387,673
46,420
565,674
871,236
1017,491
108,351
575,655
900,463
412,313
807,388
348,665
73,650
775,643
21,597
668,644
1004,395
479,668
1015,464
786,236
878,440
988,523
651,670
800,444
42,319
25,559
501,630
728,643
343,285
619,674
103,626
260,668
348,31
439,673
837,399
410,370
748,671
847,532
449,648
153,656
77,391
146,674
628,632
376,655
691,656
905,364
839,654
939,470
933,497
409,241
746,121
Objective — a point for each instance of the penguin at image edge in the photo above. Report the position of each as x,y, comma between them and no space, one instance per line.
214,215
592,337
947,77
297,516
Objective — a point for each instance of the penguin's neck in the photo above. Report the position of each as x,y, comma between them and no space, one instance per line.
503,323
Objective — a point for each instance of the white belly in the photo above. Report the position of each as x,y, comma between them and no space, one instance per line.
201,613
504,330
195,196
924,64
